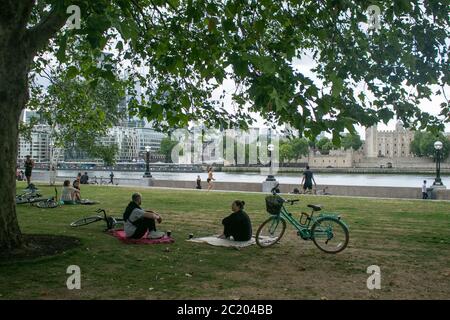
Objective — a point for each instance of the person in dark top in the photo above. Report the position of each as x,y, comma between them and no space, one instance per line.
237,224
29,164
84,178
139,221
76,186
308,179
111,178
199,183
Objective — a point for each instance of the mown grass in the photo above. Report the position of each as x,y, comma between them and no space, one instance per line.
408,239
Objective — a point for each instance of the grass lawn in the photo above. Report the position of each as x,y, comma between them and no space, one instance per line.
408,240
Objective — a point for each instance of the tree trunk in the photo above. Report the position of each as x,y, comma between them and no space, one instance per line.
14,68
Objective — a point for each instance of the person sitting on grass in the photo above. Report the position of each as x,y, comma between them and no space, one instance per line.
69,194
237,224
138,221
76,185
84,178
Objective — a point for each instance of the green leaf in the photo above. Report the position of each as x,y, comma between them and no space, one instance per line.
338,85
72,72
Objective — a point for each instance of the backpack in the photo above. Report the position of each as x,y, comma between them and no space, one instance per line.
131,206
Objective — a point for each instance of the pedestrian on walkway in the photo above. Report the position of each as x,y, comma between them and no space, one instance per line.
424,190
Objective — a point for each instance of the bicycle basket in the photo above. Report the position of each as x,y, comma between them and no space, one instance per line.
274,204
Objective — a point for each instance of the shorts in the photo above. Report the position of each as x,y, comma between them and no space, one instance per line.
27,173
208,180
307,186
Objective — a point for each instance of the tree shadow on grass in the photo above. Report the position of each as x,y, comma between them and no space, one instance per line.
38,246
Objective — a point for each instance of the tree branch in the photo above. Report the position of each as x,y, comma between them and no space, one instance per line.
39,35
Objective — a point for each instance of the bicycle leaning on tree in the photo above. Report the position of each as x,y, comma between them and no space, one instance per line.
328,232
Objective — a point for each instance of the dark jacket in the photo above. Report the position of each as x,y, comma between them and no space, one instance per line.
238,225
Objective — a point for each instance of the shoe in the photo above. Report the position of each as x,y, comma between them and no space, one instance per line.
155,235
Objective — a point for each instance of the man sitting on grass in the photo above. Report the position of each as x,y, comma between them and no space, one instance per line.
139,221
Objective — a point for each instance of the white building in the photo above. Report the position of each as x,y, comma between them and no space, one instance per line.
131,142
38,147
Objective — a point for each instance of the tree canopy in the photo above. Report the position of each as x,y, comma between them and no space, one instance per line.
179,51
423,145
351,141
78,113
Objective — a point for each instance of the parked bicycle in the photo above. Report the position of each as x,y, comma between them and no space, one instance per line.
29,196
49,203
111,222
328,232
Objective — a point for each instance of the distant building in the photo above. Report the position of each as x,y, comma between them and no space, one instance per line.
131,142
390,144
39,145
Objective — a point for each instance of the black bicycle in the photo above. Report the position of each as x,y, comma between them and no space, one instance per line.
49,203
29,196
111,222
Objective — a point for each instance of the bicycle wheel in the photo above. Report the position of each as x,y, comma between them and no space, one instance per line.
270,232
330,235
85,221
47,204
34,200
20,200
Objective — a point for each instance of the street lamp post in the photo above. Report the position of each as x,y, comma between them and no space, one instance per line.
270,177
147,173
438,146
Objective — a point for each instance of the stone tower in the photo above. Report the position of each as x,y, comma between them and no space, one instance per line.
370,147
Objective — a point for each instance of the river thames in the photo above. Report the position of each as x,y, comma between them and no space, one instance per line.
388,180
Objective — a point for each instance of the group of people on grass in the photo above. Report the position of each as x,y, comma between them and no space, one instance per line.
139,221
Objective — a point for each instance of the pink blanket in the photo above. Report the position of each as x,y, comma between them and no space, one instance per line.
120,234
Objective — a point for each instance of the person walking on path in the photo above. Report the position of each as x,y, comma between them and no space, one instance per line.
307,180
424,190
199,183
210,178
111,178
29,164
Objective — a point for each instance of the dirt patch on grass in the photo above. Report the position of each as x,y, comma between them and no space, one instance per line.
38,246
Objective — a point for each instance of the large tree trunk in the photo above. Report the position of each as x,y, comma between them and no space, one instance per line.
14,68
18,46
13,98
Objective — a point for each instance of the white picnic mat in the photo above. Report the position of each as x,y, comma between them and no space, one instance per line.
215,241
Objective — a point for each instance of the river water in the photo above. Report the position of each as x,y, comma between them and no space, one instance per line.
391,180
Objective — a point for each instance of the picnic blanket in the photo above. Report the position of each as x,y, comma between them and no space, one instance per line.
120,234
215,241
88,202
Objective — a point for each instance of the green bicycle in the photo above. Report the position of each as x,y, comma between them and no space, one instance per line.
328,232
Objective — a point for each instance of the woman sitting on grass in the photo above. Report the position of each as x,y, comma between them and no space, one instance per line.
237,224
69,194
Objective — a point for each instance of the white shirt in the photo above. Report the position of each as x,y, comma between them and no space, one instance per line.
424,187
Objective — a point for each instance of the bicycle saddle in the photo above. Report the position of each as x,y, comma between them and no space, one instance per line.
315,207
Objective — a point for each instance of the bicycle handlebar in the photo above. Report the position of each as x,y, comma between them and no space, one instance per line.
273,191
101,210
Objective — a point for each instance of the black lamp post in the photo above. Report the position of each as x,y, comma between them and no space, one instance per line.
270,177
147,173
438,146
